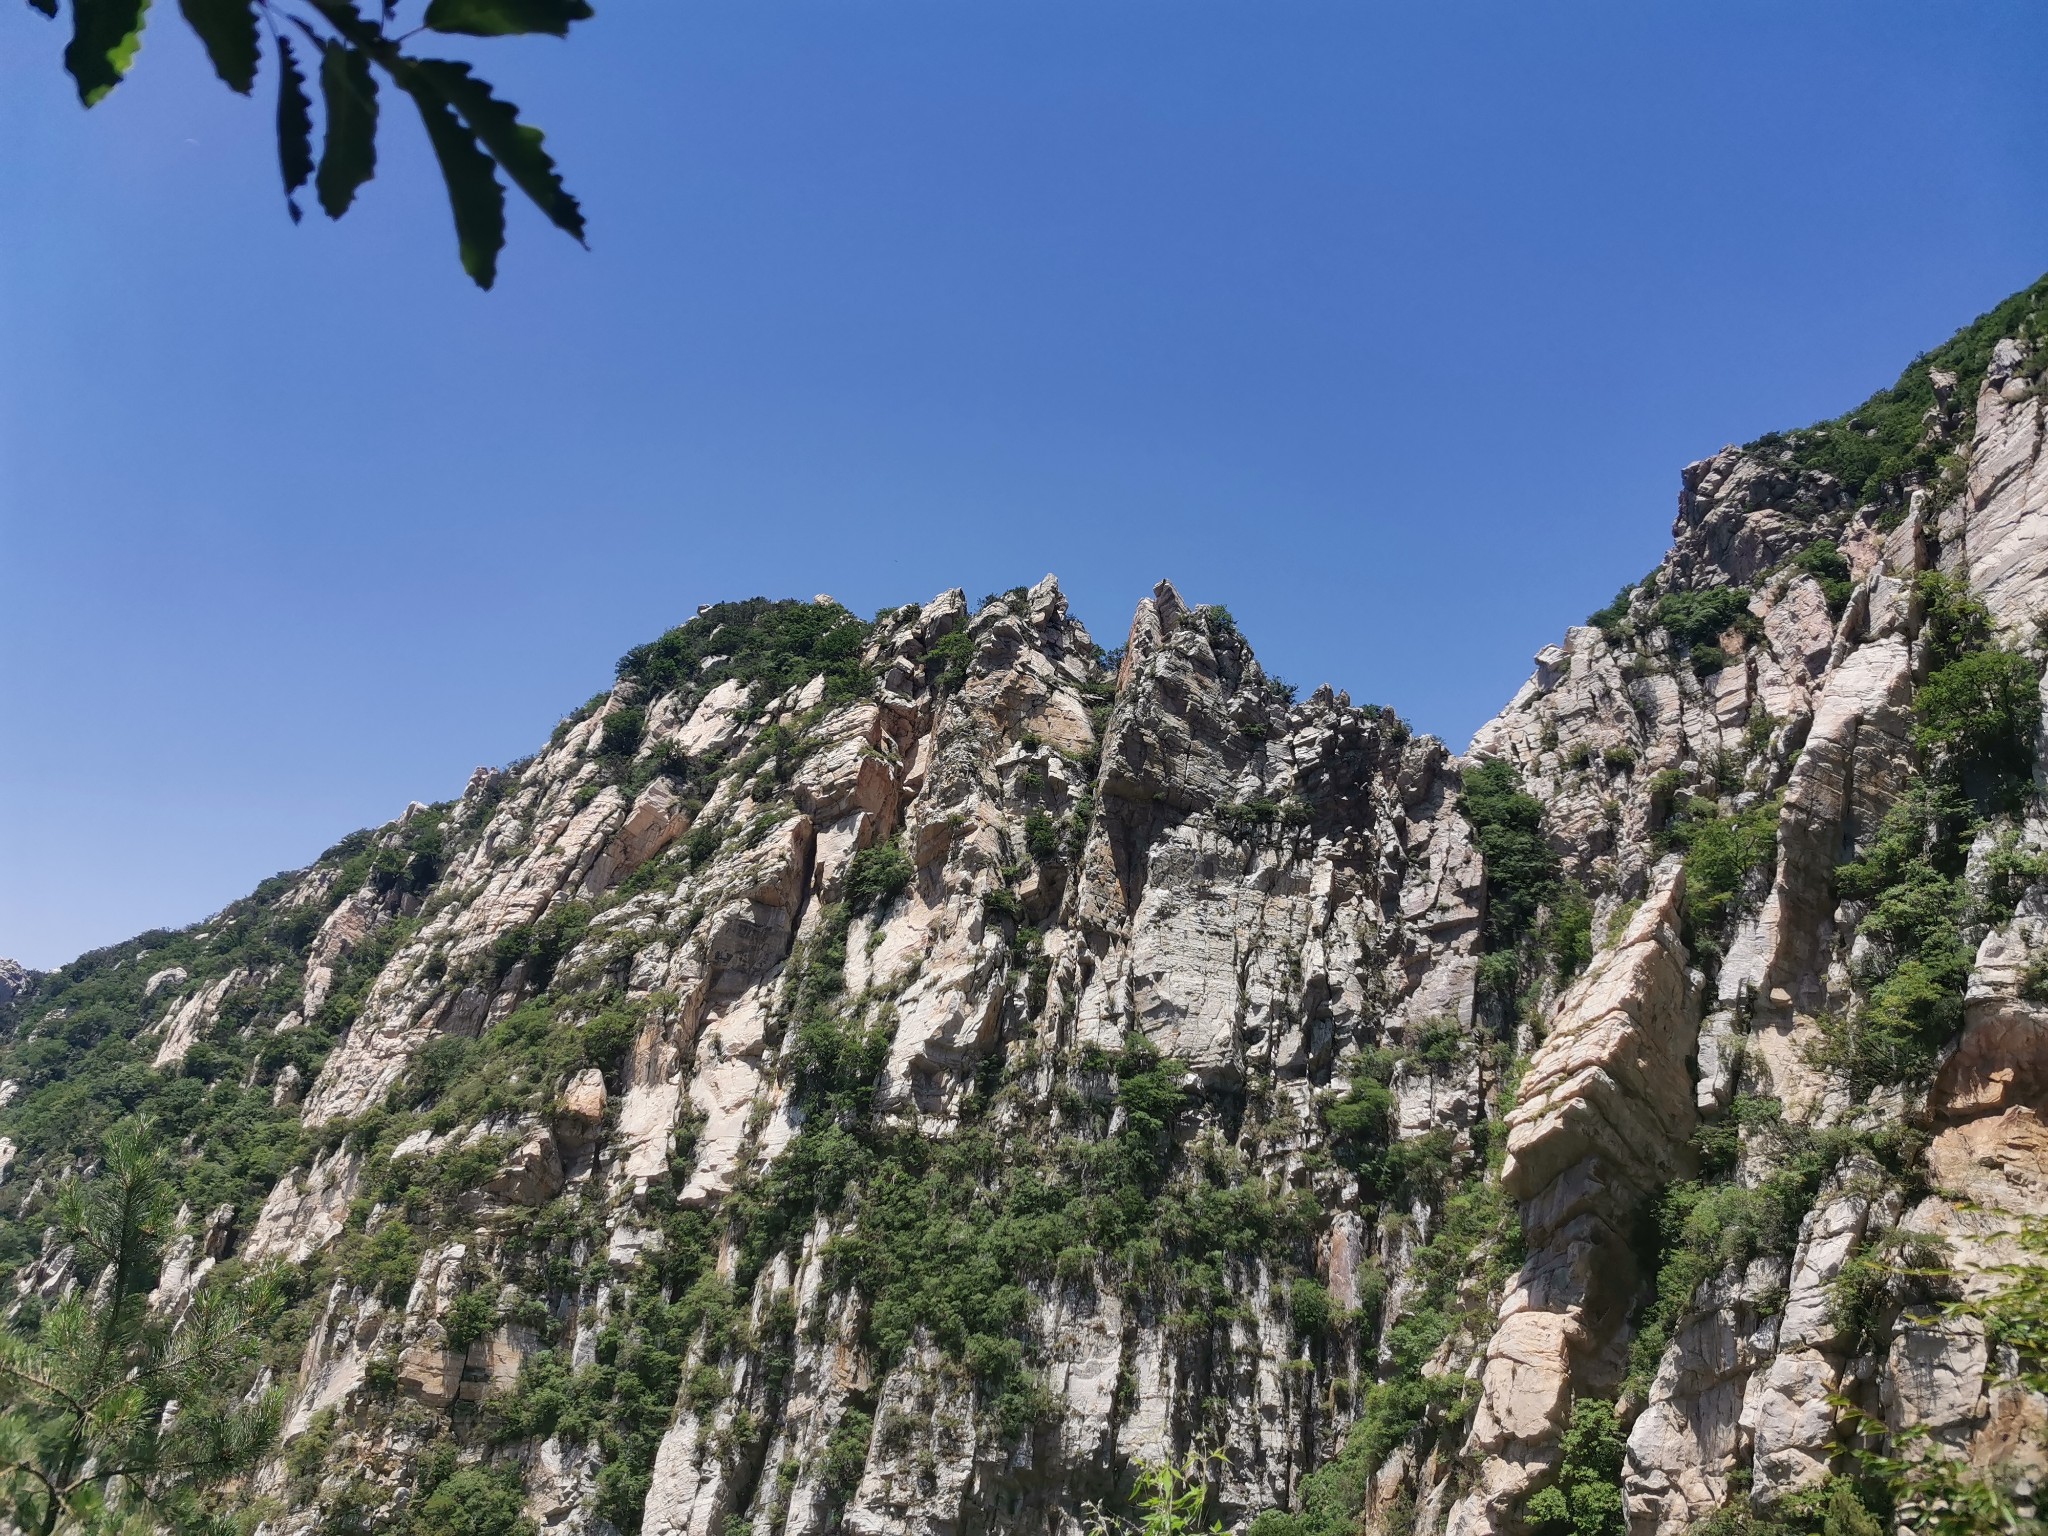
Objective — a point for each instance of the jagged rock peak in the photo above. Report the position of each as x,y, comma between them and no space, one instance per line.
900,1075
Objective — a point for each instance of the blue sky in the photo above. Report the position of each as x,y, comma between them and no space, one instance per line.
1390,327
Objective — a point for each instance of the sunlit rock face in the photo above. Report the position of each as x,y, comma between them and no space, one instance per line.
905,1075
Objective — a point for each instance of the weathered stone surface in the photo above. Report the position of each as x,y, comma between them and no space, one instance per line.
531,1175
1284,897
305,1210
191,1014
1791,1419
1609,1081
579,1118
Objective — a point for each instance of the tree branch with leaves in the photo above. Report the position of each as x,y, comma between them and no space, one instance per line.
112,1415
474,133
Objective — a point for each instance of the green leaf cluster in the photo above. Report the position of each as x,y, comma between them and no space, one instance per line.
474,134
770,645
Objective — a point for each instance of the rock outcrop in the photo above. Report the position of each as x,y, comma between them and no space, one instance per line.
903,1076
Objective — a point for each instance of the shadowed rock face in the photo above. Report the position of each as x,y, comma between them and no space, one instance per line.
898,1076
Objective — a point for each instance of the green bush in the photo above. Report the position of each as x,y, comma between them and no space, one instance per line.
1248,819
1041,837
1702,617
1721,852
608,1037
1981,713
877,876
1825,564
947,660
1911,878
385,1263
1613,620
1567,932
624,729
772,645
1586,1498
701,844
1521,870
476,1502
1310,1309
472,1316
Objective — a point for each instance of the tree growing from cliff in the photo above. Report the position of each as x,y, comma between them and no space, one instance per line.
111,1415
1169,1496
474,133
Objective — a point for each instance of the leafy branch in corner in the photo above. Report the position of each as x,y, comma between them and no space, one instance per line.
474,133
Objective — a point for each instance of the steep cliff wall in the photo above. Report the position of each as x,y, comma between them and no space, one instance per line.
899,1076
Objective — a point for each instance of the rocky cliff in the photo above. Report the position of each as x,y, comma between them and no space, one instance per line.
904,1075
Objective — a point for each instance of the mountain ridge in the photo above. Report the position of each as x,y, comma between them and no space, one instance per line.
905,1074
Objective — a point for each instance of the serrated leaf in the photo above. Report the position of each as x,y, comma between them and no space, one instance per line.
474,195
228,29
105,35
348,21
348,153
515,145
294,125
505,18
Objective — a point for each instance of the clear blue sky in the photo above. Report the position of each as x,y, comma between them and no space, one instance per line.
1388,326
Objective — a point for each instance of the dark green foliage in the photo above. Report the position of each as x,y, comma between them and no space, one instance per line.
1953,623
946,662
771,645
942,1237
413,861
1521,870
1911,877
877,876
1883,448
1700,618
1476,1245
1041,837
846,1453
1586,1498
476,1502
348,155
1248,819
1567,931
91,1445
1825,564
1613,620
1707,1224
1361,1122
1310,1309
624,729
541,945
473,133
227,28
76,1041
472,1316
505,18
385,1263
1721,853
1980,714
700,845
608,1037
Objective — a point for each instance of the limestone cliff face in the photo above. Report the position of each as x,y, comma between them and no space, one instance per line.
899,1076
